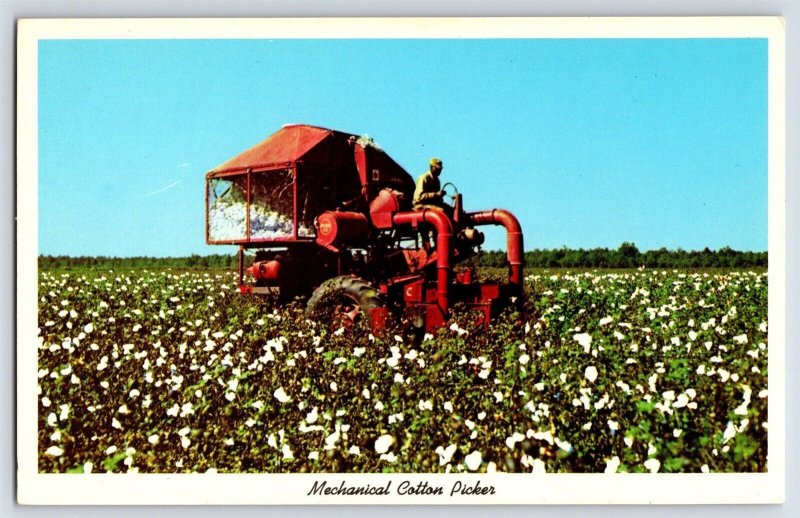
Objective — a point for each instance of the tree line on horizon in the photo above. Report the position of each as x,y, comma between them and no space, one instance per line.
626,256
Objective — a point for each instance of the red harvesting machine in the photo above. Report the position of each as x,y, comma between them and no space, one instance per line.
328,215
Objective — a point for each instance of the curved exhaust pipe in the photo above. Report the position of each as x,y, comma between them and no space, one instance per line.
514,247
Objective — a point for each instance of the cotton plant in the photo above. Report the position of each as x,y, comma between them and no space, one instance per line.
650,371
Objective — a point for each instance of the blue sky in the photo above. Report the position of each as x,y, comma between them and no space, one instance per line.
589,142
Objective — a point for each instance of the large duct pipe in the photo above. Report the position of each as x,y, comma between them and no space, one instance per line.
444,246
514,245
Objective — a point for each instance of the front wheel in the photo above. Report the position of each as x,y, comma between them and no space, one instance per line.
344,301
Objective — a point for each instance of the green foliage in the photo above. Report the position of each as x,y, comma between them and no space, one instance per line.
49,262
629,256
173,371
626,256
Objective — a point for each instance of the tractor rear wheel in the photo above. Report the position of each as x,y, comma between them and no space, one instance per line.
344,301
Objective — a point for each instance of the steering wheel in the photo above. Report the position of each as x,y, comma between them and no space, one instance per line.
454,189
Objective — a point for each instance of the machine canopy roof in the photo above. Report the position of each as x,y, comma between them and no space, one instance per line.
298,142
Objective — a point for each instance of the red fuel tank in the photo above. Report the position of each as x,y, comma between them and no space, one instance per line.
341,228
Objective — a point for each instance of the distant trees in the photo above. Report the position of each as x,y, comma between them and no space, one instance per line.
193,261
626,256
629,256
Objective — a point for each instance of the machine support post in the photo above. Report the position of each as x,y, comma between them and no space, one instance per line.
240,258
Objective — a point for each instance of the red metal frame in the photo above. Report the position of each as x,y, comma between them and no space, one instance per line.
294,201
248,173
247,205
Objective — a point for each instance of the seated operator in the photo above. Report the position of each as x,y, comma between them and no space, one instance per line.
429,193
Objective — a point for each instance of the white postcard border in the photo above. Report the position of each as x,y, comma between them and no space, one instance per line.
34,487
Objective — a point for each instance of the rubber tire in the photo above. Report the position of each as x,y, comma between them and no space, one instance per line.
356,289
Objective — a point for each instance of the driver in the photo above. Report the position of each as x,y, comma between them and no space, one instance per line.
429,193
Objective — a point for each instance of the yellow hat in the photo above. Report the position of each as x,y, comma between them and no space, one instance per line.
436,161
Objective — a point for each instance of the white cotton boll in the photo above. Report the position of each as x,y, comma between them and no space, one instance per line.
542,436
729,433
281,396
585,340
612,464
54,451
332,439
514,439
388,457
473,460
383,443
590,373
445,454
681,401
652,465
563,445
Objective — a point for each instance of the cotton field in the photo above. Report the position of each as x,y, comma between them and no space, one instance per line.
173,371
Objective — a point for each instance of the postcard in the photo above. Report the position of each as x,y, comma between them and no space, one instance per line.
401,261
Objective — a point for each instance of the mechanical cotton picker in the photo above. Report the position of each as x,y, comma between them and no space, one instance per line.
327,216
